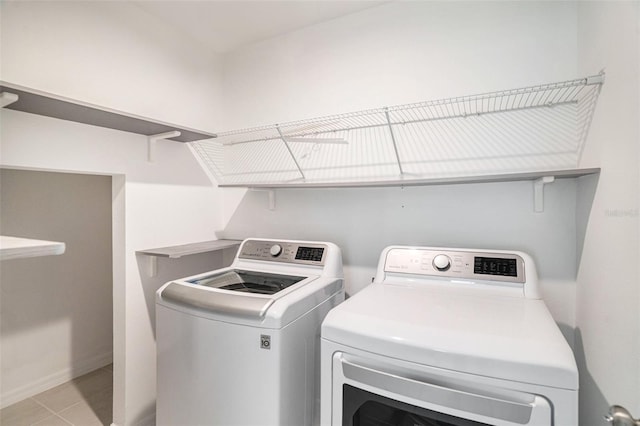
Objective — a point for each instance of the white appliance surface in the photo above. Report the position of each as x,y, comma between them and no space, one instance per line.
454,313
460,329
241,345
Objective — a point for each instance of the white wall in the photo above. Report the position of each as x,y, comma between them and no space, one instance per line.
364,221
608,327
113,54
60,304
398,53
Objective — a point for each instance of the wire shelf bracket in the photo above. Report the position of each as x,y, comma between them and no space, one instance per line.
393,140
532,130
293,157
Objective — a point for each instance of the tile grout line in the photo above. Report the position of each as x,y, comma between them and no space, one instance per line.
42,405
61,415
53,413
86,403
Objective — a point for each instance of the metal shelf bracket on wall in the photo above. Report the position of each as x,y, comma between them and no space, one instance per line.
271,193
152,266
538,192
151,143
7,98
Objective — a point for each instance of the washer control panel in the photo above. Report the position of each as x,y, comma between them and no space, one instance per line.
456,264
284,251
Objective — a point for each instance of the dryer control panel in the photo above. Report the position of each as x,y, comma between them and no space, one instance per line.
284,251
456,264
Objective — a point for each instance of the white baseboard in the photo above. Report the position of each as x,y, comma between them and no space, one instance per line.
148,420
8,397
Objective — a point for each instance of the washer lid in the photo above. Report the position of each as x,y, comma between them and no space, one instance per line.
460,329
239,293
247,281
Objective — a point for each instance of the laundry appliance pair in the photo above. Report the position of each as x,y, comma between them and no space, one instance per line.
443,337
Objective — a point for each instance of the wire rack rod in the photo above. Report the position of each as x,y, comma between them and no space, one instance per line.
293,157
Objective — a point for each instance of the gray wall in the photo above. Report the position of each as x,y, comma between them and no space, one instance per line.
488,215
56,311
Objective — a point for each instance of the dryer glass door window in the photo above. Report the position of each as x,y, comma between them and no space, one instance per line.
248,281
362,408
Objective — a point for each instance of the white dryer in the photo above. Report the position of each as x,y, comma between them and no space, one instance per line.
241,345
447,337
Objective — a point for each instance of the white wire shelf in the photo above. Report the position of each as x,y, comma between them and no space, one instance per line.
511,132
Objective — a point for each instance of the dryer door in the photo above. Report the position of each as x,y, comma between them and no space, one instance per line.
368,396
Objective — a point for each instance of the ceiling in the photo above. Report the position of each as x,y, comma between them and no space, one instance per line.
224,26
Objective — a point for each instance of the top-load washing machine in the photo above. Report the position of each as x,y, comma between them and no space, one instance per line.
447,337
241,345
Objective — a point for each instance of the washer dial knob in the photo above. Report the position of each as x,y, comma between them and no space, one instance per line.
442,262
275,250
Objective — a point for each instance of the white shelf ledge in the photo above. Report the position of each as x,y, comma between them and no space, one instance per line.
503,177
20,98
176,252
17,248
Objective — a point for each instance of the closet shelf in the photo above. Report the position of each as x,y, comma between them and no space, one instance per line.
176,252
17,248
531,131
504,177
24,99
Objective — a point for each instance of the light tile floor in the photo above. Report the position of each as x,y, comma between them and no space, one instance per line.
84,401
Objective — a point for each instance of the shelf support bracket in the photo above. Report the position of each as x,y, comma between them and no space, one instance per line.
393,139
151,143
538,192
271,193
290,153
152,265
7,98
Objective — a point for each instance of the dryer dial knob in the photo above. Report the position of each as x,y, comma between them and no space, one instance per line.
275,250
442,262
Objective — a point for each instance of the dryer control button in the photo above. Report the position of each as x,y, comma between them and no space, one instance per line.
275,250
442,262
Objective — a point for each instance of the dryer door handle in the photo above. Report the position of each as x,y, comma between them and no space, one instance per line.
470,401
